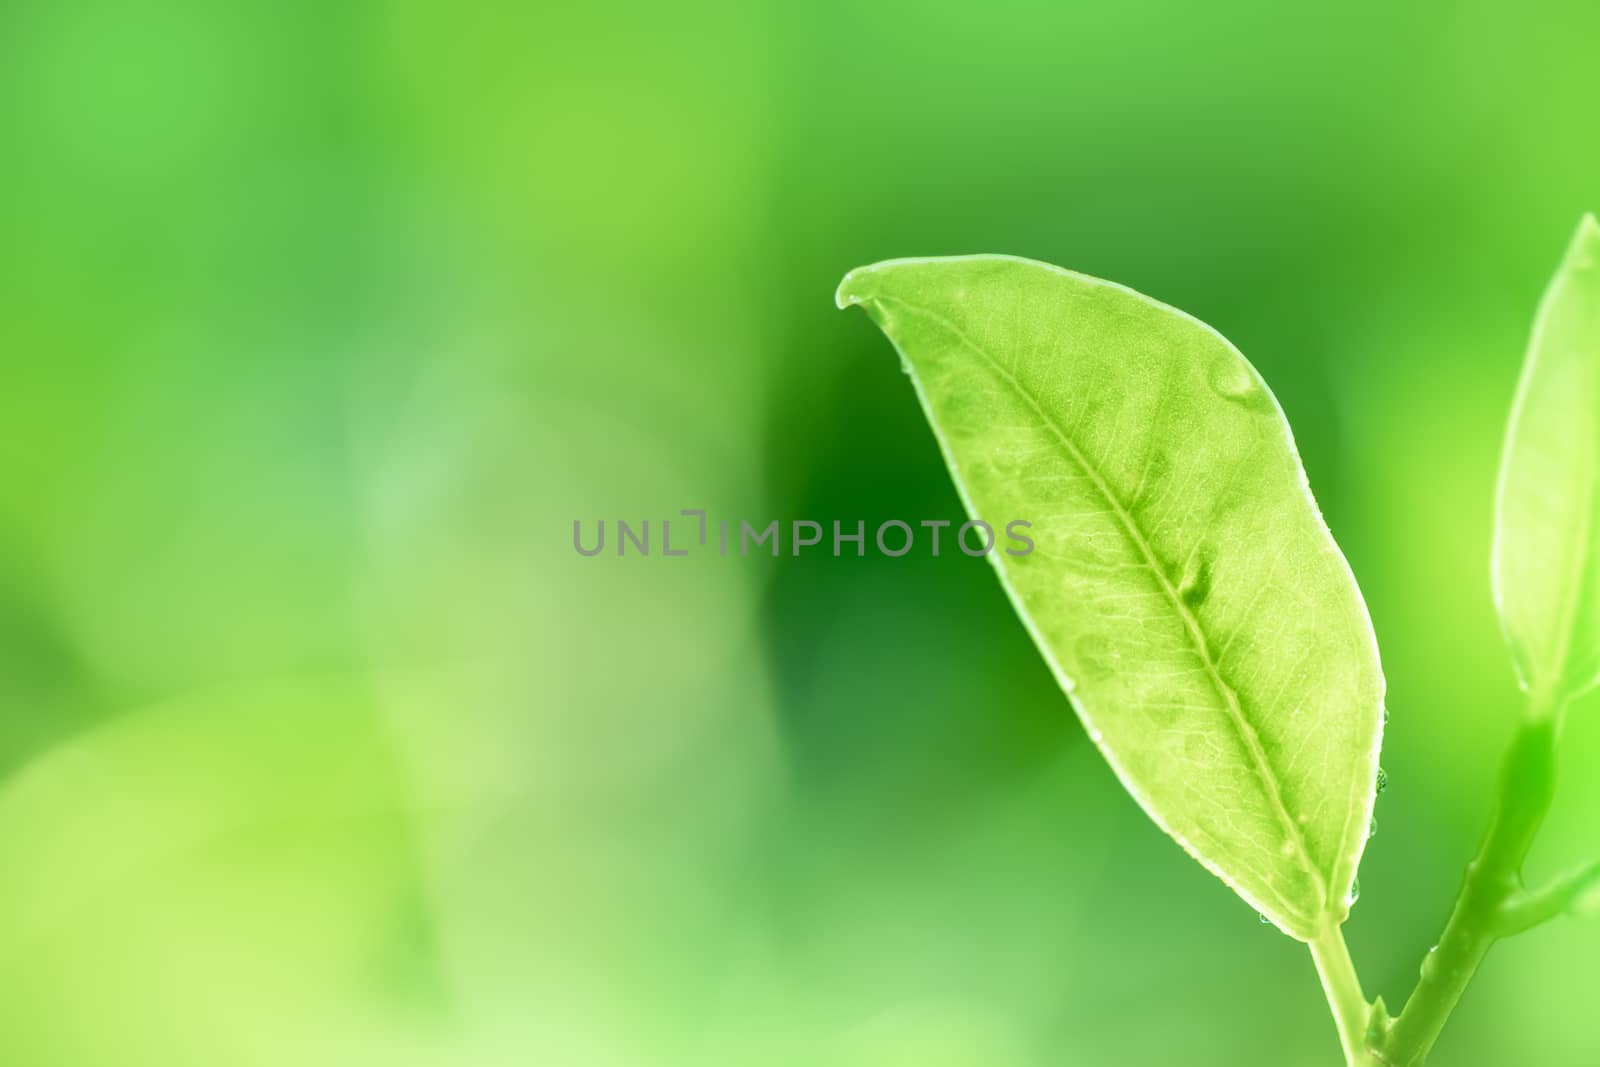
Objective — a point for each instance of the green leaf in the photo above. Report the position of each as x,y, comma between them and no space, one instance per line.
1184,588
1546,571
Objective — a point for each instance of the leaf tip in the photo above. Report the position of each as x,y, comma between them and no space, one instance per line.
849,292
1585,250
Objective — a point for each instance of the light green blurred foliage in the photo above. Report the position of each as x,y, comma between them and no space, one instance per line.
320,325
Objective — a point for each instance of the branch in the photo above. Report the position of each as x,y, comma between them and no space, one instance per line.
1574,892
1493,879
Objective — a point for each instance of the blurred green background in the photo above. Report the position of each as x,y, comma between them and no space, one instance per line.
321,323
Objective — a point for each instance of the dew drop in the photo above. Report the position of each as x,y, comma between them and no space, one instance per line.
1372,828
1231,379
1195,584
1386,715
1355,892
1262,916
1383,780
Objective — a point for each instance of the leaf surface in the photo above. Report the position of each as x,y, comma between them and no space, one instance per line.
1184,588
1546,570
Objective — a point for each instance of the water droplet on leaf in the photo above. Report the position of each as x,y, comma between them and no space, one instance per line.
1383,779
1195,584
1231,379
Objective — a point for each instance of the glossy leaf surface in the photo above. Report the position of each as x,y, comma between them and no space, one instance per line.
1184,588
1547,518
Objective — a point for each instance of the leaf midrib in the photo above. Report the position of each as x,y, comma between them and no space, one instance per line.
1242,726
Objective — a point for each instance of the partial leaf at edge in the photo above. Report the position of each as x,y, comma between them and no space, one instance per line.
1184,588
1546,567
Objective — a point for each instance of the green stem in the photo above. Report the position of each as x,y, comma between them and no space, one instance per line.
1489,893
1345,999
1565,894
